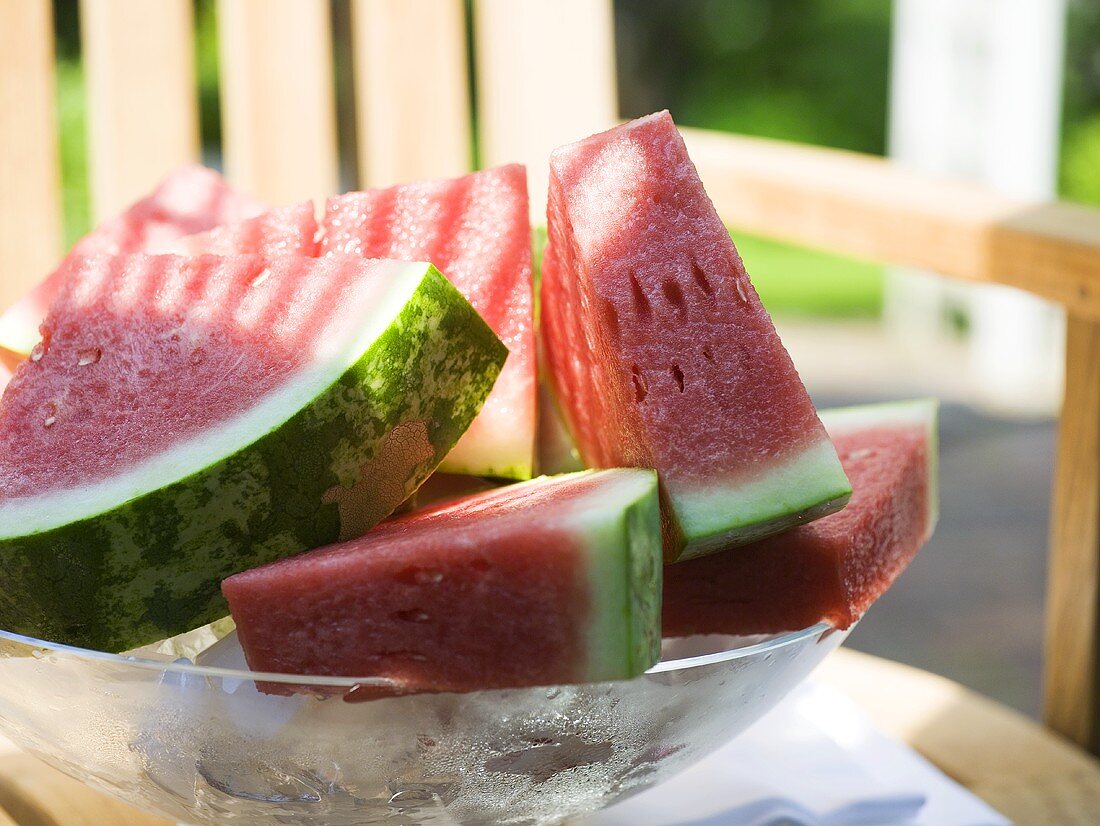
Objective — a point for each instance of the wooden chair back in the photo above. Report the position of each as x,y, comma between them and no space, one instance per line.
543,74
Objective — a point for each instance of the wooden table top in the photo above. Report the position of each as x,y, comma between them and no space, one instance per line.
1030,774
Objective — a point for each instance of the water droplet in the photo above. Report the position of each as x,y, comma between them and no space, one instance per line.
89,356
198,356
426,577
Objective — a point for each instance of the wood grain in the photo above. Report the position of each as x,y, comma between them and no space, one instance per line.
34,794
411,90
1024,771
868,207
30,197
278,98
139,66
545,77
1071,691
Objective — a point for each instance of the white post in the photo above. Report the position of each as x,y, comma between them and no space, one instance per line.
976,91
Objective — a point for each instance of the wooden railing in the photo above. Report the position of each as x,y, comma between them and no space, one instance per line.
544,75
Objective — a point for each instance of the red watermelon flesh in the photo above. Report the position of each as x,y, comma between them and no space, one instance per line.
142,352
192,199
833,569
289,230
660,352
550,581
476,230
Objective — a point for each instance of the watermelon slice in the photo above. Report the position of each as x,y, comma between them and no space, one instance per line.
556,580
190,200
476,229
289,230
187,418
833,569
660,353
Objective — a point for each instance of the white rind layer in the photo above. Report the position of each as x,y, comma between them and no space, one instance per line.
54,509
920,412
716,508
613,551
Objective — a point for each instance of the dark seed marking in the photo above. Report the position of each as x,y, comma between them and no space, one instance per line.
640,389
701,278
675,295
678,374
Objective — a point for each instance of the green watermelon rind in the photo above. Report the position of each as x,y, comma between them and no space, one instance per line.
622,538
149,565
924,412
714,516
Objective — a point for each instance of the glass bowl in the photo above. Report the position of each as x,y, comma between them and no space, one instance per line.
199,742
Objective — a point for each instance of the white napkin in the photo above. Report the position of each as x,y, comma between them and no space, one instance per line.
813,760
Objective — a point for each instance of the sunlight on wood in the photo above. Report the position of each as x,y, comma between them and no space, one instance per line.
545,77
411,85
30,206
278,98
142,124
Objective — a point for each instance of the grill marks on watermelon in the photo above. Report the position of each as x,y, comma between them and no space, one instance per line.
660,351
540,583
833,569
476,230
191,200
142,352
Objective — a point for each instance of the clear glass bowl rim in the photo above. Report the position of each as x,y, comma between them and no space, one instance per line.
185,668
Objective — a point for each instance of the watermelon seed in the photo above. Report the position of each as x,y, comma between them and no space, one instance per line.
89,356
707,354
640,389
38,351
641,302
262,277
51,415
678,374
701,278
675,295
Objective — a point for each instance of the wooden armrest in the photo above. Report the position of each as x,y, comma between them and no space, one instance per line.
869,207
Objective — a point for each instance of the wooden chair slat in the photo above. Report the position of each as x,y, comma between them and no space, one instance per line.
1071,696
412,103
278,98
869,207
139,65
545,76
30,198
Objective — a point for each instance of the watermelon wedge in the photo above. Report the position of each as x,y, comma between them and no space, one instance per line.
833,569
555,580
289,230
476,229
187,418
192,199
660,354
